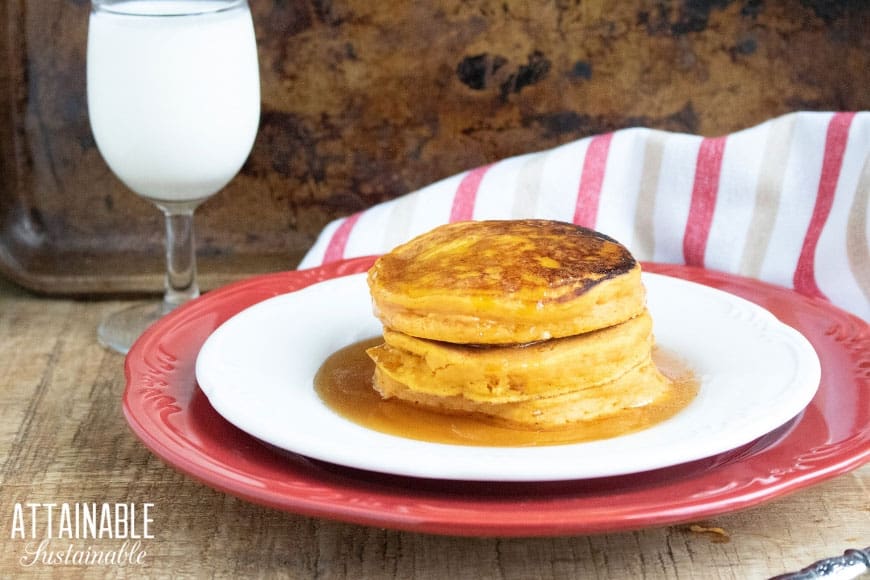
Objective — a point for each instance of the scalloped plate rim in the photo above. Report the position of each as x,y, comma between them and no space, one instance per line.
160,411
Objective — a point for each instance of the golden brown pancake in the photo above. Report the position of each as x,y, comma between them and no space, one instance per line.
533,323
499,374
640,386
506,282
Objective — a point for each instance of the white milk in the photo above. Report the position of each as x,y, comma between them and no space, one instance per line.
174,101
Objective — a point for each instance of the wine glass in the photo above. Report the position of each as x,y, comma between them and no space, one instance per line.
174,105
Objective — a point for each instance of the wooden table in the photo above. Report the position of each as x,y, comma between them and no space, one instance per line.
64,440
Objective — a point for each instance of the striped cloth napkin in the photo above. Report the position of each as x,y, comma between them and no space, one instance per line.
785,201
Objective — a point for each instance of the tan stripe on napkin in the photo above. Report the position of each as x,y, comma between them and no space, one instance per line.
644,242
767,195
400,219
856,228
528,187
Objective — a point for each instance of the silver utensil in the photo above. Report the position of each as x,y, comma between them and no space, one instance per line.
852,564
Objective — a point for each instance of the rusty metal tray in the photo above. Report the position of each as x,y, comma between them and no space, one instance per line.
365,101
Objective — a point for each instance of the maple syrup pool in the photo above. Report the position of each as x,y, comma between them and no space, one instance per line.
344,383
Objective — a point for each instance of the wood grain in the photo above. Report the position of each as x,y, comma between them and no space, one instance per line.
63,439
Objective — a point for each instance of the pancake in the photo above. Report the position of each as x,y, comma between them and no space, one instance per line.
499,374
531,323
506,282
641,386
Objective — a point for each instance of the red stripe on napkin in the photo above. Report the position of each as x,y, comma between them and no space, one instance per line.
338,242
589,192
707,170
835,145
466,194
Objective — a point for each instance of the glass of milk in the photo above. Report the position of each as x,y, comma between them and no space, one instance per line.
174,105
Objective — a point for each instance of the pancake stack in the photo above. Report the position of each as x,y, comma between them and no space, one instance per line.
533,323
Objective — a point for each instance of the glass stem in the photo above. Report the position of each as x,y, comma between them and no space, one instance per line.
181,283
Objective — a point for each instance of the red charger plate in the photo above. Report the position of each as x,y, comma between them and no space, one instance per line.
167,411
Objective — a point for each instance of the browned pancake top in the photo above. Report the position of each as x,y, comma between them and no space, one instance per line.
504,257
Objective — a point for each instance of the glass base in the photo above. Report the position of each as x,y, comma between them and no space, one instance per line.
119,330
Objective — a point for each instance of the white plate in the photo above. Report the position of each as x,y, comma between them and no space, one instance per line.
257,370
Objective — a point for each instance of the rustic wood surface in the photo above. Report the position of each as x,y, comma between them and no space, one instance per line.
63,439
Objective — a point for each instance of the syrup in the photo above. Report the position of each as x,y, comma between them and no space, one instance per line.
344,383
